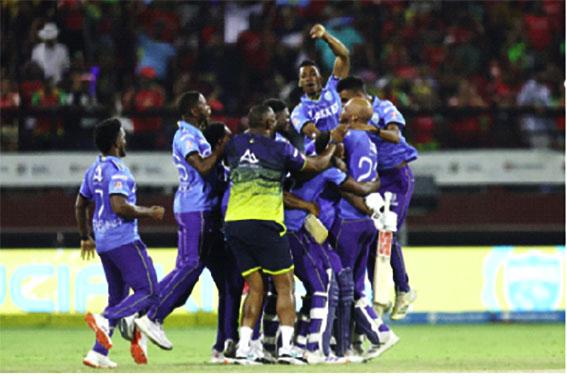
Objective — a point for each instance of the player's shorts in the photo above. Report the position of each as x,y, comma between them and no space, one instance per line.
258,245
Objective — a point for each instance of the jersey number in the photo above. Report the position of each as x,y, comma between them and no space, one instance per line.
101,193
183,174
98,174
371,168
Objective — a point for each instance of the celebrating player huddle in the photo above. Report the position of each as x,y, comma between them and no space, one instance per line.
275,205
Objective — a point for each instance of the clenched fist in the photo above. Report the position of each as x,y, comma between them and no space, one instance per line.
317,31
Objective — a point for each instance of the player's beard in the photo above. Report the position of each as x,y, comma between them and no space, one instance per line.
122,152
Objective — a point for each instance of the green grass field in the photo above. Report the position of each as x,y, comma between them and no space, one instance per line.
440,348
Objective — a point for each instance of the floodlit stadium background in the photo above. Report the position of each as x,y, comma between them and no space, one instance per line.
480,85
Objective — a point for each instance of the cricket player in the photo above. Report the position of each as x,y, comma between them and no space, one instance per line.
255,227
196,209
109,184
354,233
394,156
311,264
319,107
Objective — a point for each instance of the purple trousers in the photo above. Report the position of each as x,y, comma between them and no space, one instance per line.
125,267
352,239
400,182
201,244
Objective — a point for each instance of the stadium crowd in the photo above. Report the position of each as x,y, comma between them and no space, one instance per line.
119,56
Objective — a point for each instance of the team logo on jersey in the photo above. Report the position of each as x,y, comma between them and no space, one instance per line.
328,96
249,157
375,118
118,184
188,144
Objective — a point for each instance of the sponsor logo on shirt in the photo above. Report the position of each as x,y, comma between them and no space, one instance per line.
249,157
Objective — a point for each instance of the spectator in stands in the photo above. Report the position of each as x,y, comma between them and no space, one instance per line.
78,126
51,56
155,52
537,130
150,95
468,131
9,99
48,131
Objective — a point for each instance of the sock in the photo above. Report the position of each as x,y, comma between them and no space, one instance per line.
287,335
245,337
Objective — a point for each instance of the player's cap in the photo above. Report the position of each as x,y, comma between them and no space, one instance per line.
49,31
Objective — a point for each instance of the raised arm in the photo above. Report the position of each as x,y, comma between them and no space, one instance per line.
342,62
124,209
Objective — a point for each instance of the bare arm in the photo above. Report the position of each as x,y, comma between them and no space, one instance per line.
320,162
291,201
360,189
342,61
205,165
357,202
310,130
390,134
82,214
124,209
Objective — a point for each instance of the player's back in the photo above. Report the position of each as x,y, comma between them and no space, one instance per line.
258,165
362,159
108,176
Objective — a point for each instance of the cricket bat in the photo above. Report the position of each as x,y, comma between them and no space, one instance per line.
383,278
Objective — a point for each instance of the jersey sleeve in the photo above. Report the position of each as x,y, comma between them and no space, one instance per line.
299,117
332,83
310,148
294,160
390,114
335,176
85,189
187,144
119,185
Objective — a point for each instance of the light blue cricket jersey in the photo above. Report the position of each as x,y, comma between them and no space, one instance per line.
362,159
324,112
108,176
310,190
195,192
389,154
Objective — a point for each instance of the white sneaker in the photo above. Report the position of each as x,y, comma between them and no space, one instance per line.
403,301
291,355
99,325
126,327
154,331
246,357
97,360
314,357
333,359
351,357
217,357
387,340
139,347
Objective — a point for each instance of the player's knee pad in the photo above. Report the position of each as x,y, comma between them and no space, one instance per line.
365,319
333,297
343,315
346,285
